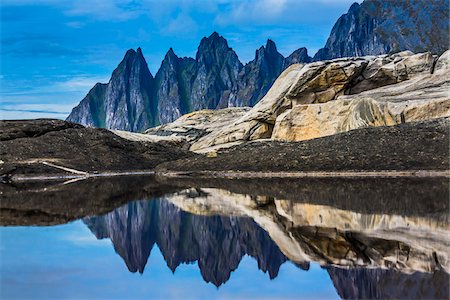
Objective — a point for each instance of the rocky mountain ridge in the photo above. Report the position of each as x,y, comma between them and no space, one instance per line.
133,100
377,27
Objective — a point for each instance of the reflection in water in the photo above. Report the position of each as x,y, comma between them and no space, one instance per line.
217,243
363,283
376,237
368,254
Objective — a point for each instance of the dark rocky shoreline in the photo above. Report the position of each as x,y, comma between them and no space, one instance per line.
27,145
36,148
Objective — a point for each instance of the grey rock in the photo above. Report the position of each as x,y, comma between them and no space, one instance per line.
28,146
299,56
378,26
134,101
126,102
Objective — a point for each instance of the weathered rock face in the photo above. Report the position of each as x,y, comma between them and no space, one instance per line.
134,101
305,122
329,97
193,126
217,70
376,27
259,74
126,102
172,84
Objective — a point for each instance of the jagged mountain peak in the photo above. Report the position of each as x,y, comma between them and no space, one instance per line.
213,43
354,7
130,53
269,51
183,238
131,58
271,46
170,52
379,27
170,57
298,56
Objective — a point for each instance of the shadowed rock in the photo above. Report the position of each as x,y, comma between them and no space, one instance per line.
30,146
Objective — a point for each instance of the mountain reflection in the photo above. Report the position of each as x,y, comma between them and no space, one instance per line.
217,243
368,254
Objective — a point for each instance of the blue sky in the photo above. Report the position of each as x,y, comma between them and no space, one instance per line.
54,51
68,262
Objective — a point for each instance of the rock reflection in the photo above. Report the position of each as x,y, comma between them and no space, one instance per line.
368,254
377,237
217,243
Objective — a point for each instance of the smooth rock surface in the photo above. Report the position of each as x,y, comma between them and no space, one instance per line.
325,98
306,122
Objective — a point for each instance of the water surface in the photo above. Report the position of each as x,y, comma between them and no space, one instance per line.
145,237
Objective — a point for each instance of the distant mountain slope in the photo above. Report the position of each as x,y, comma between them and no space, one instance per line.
382,26
125,102
133,100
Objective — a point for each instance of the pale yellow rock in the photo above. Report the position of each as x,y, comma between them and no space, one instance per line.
325,98
306,122
442,64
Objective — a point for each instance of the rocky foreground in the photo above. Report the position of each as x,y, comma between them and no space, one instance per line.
421,146
45,149
364,114
58,148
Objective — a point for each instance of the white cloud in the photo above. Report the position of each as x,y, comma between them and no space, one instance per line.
104,9
22,115
33,111
252,11
78,83
75,24
183,23
267,12
50,107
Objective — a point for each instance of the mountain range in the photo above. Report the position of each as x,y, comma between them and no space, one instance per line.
135,100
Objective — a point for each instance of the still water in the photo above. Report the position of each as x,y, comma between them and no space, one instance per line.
187,238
